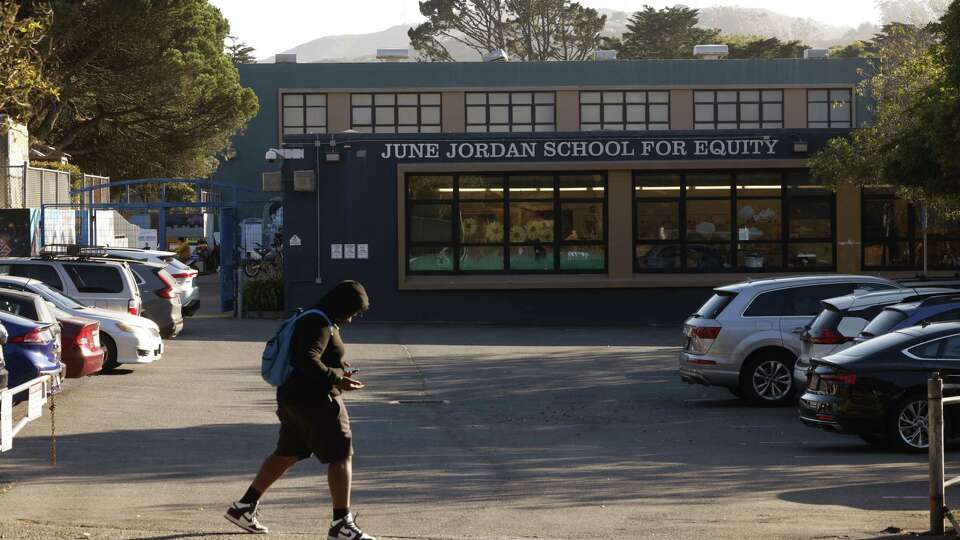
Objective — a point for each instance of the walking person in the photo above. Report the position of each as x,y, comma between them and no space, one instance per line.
313,418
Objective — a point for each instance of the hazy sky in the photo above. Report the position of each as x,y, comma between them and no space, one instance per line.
272,26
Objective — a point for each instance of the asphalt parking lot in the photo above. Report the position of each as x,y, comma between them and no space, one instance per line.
511,432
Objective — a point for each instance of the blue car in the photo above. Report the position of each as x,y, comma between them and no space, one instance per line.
30,350
917,312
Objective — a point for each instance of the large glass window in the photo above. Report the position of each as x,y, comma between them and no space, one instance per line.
732,221
631,111
395,113
501,112
516,223
829,108
892,235
738,109
304,113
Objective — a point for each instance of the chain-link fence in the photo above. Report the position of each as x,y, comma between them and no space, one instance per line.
31,187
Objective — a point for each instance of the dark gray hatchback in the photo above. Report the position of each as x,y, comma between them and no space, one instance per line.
161,299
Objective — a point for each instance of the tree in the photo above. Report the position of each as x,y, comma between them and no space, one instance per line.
22,76
912,140
760,47
239,52
526,29
146,89
668,33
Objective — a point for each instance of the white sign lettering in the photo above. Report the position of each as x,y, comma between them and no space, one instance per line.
618,149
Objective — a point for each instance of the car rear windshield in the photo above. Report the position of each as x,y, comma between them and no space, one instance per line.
876,345
19,306
828,319
884,322
715,305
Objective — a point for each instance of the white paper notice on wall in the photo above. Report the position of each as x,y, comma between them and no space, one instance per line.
349,251
336,251
363,251
295,241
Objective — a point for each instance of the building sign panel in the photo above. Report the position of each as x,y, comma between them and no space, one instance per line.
687,148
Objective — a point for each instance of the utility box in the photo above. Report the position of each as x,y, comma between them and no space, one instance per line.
304,181
272,181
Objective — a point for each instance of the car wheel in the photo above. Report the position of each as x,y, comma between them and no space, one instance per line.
908,424
110,361
767,378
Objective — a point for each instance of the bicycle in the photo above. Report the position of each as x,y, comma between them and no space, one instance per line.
268,260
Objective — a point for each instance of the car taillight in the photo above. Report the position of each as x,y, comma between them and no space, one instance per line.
170,292
87,338
828,337
846,378
133,307
705,332
185,275
34,336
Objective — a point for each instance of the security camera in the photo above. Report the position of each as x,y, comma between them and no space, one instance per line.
271,156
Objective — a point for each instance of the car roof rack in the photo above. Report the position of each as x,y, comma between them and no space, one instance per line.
71,251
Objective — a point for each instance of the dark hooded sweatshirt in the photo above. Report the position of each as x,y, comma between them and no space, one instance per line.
317,351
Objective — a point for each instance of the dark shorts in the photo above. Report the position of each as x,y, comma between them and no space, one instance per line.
321,430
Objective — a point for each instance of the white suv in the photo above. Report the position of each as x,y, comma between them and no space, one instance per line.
746,337
104,284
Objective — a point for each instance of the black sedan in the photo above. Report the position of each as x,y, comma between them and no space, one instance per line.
878,389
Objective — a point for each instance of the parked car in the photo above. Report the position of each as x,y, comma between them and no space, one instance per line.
746,337
161,301
82,352
105,284
842,318
29,350
33,307
126,339
184,275
878,389
907,314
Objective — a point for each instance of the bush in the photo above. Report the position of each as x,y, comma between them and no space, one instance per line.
263,295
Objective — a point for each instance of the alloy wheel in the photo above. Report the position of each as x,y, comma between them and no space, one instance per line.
912,424
772,380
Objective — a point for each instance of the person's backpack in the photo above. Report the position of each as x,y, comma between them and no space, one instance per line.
275,365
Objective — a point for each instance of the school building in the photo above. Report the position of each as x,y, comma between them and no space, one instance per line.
538,192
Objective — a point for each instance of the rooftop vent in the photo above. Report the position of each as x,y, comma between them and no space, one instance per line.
393,55
286,58
600,55
710,52
812,54
496,55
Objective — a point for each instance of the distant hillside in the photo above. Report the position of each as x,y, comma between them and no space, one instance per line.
731,20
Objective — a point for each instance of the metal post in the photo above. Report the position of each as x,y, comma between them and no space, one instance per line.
935,429
240,285
23,187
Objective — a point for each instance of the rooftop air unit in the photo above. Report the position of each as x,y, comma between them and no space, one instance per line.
601,55
815,54
393,55
710,52
496,55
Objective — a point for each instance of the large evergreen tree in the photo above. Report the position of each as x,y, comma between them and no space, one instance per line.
145,87
667,33
22,76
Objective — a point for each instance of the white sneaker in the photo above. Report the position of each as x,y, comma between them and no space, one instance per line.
345,529
245,516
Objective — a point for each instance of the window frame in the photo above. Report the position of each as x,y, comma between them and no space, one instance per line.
457,244
737,104
787,198
913,238
830,121
306,127
510,124
396,125
662,126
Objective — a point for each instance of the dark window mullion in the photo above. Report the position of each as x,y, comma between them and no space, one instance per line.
455,223
505,184
558,219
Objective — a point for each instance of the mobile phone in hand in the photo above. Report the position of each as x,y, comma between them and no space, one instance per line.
350,372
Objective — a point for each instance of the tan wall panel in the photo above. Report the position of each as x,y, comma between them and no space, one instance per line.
568,110
454,112
338,112
795,108
681,109
848,229
620,223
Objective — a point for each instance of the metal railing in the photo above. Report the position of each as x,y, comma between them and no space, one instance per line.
38,389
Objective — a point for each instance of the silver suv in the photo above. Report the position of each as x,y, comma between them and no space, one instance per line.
746,337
